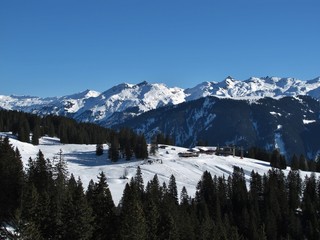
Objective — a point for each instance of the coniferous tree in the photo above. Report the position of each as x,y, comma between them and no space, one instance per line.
294,186
76,215
141,147
11,180
172,189
59,193
303,165
29,222
310,222
153,190
133,223
295,162
114,149
103,207
24,130
99,149
138,181
255,195
206,192
35,135
275,159
239,199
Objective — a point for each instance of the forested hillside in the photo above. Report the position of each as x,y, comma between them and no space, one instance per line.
43,202
30,127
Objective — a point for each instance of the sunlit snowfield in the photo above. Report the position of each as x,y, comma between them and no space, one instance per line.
82,162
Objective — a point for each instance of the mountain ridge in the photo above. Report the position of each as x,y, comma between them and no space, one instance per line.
129,100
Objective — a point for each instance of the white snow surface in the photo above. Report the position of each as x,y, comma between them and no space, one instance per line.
92,106
82,162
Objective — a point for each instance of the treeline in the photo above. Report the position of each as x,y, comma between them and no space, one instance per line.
124,143
45,203
278,160
68,130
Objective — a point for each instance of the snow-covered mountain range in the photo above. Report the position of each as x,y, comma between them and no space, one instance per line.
124,101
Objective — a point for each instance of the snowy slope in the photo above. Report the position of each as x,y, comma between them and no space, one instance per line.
83,163
128,100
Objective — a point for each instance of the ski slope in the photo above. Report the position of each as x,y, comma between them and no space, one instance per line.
82,162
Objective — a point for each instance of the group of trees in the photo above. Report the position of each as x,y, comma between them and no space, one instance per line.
278,160
68,130
45,202
124,143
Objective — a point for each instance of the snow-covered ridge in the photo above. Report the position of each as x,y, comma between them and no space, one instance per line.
134,99
82,162
255,87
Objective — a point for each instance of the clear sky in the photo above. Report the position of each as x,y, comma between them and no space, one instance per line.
61,47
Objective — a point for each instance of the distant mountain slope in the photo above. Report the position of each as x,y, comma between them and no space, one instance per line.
125,101
290,123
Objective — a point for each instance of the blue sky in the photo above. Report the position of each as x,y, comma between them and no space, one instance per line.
60,47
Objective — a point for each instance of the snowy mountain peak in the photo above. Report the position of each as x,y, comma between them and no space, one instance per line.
128,100
83,95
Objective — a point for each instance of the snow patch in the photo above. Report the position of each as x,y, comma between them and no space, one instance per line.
305,121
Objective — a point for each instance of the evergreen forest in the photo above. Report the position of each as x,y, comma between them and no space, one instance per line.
46,202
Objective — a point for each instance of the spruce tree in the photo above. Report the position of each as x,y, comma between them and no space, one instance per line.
133,223
114,149
295,162
36,134
76,215
103,207
172,189
11,180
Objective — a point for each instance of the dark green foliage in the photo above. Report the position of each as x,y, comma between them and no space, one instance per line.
11,179
294,162
141,147
100,200
303,165
258,153
277,160
76,214
114,149
36,134
133,223
48,204
99,149
68,130
172,189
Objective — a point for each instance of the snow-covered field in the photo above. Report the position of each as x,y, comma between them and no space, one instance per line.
83,162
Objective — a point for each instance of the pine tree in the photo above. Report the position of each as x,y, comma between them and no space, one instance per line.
275,159
36,134
294,186
133,223
172,189
138,180
239,199
76,215
295,162
99,149
256,194
114,149
153,190
303,165
103,207
141,147
29,226
24,130
310,222
11,180
152,219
